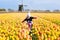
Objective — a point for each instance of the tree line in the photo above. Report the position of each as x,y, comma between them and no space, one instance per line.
11,10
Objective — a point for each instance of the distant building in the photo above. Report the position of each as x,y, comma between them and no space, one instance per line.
20,8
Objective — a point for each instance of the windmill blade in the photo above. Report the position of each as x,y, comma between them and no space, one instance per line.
25,5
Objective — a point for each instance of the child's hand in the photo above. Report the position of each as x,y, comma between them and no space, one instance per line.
35,17
22,22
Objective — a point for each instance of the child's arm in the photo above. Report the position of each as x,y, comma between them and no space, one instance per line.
34,17
23,20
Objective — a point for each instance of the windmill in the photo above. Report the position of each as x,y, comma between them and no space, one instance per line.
21,6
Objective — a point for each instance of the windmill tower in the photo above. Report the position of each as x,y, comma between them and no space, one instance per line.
21,6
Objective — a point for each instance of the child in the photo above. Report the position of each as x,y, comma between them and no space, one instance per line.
28,19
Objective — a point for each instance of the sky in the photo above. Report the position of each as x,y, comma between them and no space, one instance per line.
31,4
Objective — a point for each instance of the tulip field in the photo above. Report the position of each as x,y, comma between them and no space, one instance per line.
45,27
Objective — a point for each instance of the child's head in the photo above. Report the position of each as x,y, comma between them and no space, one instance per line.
28,15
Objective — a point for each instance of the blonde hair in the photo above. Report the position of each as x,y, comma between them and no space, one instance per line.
28,15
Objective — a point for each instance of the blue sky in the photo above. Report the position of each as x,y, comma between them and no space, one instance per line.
32,4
